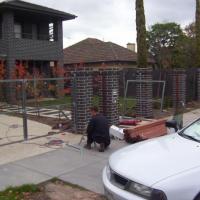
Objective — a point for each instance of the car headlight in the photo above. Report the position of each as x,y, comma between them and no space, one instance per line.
140,190
146,192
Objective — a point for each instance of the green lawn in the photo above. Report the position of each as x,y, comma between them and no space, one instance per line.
18,193
33,192
60,101
127,105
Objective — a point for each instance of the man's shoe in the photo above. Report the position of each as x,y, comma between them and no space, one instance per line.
102,147
88,146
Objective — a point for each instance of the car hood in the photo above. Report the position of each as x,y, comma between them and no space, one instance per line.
154,160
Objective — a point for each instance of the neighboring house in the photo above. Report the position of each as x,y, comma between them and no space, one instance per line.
31,35
95,53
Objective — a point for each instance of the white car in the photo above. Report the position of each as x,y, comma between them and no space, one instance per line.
165,168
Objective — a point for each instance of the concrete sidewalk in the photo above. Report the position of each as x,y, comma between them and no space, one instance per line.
67,164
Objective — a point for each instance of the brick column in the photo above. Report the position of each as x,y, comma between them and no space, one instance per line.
58,31
198,84
8,39
179,88
109,94
11,87
144,105
82,93
60,74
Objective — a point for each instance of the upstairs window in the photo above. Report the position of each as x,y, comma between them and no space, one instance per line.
30,30
53,35
18,30
51,32
27,31
23,30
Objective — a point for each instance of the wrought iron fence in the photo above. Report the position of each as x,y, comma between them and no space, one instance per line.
43,98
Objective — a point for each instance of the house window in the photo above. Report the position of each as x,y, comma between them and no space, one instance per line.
52,64
27,31
18,30
51,32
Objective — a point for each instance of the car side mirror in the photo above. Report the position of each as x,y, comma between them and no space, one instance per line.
172,124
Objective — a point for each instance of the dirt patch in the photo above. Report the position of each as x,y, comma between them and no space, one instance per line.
58,190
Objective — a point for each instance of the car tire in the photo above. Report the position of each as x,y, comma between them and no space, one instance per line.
197,197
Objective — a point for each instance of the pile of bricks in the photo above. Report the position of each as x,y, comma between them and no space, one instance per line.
146,131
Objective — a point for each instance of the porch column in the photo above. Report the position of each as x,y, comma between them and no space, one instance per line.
8,37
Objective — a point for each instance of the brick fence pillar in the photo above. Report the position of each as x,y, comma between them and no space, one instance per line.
179,88
198,84
10,88
82,93
109,94
144,105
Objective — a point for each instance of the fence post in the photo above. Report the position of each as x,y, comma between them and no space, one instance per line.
25,127
109,94
82,93
144,93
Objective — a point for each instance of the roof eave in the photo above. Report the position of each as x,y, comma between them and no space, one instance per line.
62,15
101,61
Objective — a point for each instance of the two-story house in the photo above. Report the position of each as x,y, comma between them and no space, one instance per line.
32,35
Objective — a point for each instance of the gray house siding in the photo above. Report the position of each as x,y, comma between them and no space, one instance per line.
7,38
36,50
27,49
30,36
30,49
33,49
2,47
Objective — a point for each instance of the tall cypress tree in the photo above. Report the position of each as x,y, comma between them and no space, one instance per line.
141,34
197,33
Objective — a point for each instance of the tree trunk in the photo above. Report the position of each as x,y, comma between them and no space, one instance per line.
144,106
141,34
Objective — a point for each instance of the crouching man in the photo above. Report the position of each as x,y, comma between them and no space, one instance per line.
98,130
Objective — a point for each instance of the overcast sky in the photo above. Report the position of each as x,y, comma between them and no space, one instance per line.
114,20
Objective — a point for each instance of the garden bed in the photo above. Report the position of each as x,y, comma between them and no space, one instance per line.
52,190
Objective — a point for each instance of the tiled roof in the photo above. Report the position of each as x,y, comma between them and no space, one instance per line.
22,5
93,51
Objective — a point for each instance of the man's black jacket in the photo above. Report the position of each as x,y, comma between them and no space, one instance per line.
98,127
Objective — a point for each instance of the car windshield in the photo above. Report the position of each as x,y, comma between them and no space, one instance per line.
192,132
